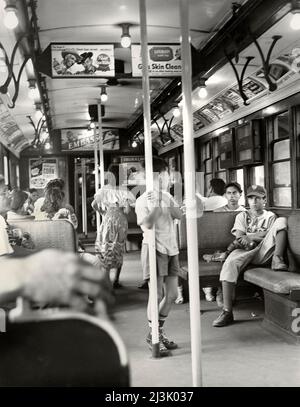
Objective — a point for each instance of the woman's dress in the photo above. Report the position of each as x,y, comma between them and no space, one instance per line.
110,242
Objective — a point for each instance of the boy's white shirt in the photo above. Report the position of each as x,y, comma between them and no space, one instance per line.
165,232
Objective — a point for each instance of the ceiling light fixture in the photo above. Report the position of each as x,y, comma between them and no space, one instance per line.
295,21
176,111
125,37
103,94
10,17
32,93
134,144
202,92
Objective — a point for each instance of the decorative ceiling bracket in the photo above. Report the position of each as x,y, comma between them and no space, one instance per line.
166,125
10,71
266,61
37,131
240,79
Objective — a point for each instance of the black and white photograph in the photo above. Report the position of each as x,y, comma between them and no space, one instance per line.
149,200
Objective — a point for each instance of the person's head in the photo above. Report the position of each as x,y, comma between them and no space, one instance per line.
53,202
33,194
257,197
217,187
233,192
112,175
55,183
161,177
86,59
17,200
69,59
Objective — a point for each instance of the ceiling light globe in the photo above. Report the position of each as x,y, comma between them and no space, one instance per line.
103,97
125,41
134,144
176,112
10,19
202,93
295,22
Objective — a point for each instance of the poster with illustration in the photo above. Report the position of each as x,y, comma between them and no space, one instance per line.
84,140
82,60
41,171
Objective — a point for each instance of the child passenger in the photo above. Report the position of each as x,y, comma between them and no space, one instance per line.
158,208
267,232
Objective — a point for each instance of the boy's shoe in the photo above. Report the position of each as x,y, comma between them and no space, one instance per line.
163,351
224,319
166,341
278,264
208,291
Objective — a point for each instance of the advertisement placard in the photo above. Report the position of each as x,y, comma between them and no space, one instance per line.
83,139
164,60
41,171
82,60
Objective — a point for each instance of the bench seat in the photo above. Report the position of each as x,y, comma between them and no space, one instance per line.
280,282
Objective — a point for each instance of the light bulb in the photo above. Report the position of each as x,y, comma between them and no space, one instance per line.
176,112
10,18
295,21
103,97
134,144
32,93
92,125
47,146
125,41
202,93
38,114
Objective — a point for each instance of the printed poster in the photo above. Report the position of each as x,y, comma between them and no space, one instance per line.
164,60
83,139
82,60
41,171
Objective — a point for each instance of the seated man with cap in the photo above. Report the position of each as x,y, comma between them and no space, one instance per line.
256,228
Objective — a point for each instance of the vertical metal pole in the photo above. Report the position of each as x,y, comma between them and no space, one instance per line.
96,174
191,212
149,179
101,155
83,196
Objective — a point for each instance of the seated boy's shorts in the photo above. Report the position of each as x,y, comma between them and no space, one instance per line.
165,265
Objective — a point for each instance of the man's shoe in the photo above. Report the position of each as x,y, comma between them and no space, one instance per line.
278,264
208,291
166,341
225,318
163,351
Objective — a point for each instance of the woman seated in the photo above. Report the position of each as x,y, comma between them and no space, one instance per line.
54,207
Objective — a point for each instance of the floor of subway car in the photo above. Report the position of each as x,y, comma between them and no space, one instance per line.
243,354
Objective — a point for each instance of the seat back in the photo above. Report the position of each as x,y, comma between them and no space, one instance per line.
214,230
58,234
294,236
64,349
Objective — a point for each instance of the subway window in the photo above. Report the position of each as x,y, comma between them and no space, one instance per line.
281,162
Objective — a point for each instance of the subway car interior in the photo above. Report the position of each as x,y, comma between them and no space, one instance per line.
220,97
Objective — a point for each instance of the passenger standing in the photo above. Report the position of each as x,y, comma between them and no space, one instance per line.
158,208
112,202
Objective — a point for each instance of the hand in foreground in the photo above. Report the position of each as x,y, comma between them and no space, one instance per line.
52,276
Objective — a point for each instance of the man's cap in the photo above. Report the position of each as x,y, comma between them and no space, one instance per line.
85,56
256,190
72,52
